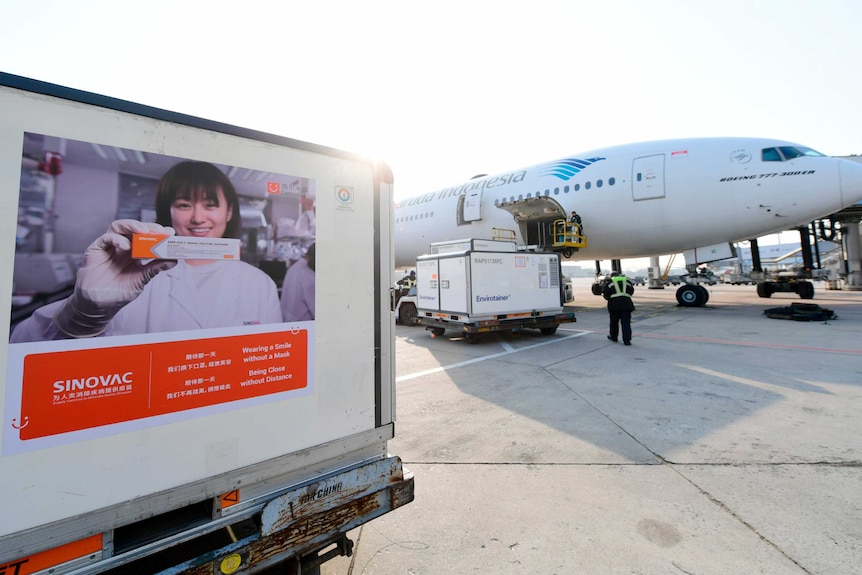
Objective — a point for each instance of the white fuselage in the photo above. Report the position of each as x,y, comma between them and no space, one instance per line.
639,200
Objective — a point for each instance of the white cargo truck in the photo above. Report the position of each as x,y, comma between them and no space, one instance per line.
185,415
477,286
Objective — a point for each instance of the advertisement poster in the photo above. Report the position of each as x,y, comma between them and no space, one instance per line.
151,288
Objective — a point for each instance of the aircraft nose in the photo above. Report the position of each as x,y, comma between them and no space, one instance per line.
851,182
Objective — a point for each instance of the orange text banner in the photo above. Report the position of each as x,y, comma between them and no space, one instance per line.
75,390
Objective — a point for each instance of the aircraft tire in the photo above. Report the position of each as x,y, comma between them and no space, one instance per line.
705,294
691,296
805,290
597,288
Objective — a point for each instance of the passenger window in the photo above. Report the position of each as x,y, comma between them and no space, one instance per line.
771,155
587,185
611,181
598,183
577,187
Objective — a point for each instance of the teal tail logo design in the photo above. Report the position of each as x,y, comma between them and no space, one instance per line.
565,169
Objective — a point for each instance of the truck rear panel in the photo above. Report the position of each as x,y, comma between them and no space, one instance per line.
195,429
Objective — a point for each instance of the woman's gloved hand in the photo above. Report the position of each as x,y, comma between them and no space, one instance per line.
109,279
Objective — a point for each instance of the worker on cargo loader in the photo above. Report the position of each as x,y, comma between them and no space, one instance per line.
618,291
117,295
577,225
297,292
409,280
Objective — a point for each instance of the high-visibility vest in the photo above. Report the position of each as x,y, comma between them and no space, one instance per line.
620,284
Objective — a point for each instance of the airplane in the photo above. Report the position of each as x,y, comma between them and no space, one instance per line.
638,200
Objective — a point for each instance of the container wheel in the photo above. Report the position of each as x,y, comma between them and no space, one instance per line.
548,330
437,331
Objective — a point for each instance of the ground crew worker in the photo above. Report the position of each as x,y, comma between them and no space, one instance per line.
618,291
577,225
409,280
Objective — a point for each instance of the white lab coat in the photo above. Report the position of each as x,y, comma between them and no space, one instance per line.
221,294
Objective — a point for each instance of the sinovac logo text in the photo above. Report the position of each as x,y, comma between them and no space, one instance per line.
92,382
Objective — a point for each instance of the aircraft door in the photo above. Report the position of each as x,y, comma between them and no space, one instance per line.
473,206
648,177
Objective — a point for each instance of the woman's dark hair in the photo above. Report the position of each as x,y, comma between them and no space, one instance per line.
193,181
309,256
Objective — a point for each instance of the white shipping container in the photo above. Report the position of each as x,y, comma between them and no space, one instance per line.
479,284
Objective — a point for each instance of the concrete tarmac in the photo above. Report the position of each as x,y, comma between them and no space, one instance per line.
720,442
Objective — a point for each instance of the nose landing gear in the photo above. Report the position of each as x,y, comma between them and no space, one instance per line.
692,295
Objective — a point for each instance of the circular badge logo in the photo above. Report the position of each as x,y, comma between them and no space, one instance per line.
740,156
344,194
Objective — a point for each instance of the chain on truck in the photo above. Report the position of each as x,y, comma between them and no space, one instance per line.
169,401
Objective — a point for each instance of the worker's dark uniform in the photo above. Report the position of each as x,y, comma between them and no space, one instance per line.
618,291
577,227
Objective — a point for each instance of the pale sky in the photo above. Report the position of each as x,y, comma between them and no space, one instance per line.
445,90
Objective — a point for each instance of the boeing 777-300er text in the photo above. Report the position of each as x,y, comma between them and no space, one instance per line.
638,200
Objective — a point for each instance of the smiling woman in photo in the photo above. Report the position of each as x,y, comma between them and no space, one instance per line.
118,295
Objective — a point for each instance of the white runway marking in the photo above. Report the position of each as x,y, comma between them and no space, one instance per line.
486,357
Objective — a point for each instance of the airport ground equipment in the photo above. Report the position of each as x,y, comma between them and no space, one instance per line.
786,281
479,286
403,302
736,278
796,279
222,450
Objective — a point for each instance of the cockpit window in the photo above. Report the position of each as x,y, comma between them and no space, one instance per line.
789,152
808,152
771,155
785,153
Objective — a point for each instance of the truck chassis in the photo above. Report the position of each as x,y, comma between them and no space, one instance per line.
472,328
